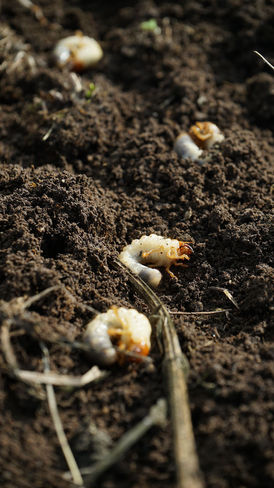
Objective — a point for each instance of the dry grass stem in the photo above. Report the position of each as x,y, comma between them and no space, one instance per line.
76,82
264,59
211,312
18,306
35,9
33,377
7,347
156,416
27,303
48,133
175,365
72,465
64,380
227,294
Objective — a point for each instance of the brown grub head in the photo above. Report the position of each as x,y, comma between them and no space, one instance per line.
200,133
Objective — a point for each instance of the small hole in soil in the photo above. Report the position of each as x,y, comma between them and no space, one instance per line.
52,245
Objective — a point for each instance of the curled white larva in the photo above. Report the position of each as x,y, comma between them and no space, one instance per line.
122,327
153,251
78,52
101,349
216,136
185,147
205,134
201,136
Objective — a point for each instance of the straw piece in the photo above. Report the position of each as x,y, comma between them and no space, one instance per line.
264,59
175,366
68,455
33,377
156,416
56,379
227,294
210,312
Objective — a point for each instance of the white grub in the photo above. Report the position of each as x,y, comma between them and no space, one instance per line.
201,136
185,147
78,52
205,134
153,251
117,331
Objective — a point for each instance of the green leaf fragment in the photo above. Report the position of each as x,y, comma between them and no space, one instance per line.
91,90
150,25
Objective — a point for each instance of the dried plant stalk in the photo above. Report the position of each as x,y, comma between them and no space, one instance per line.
35,9
175,365
156,416
35,377
69,457
57,379
210,312
226,293
264,59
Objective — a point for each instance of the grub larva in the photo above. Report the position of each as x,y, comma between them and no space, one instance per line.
78,52
205,134
201,136
186,147
154,251
117,331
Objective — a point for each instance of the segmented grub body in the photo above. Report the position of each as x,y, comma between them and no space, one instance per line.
185,147
78,52
201,136
205,134
116,331
154,250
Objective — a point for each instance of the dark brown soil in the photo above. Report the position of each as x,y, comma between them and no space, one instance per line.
82,177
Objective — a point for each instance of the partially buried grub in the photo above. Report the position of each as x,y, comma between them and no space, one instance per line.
201,136
127,328
77,52
154,251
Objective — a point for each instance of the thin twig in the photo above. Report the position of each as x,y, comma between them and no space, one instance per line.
35,9
175,365
11,358
6,345
48,133
227,294
264,59
210,312
69,457
35,298
33,377
56,379
156,416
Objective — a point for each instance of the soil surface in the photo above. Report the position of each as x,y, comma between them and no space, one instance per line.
82,175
